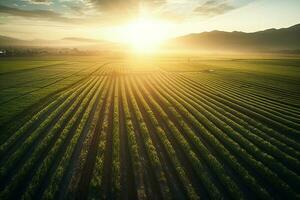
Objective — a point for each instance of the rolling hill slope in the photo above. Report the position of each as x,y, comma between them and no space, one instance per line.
267,40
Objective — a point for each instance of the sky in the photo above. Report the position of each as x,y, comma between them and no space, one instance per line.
111,19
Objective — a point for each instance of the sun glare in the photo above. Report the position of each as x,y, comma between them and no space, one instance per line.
145,35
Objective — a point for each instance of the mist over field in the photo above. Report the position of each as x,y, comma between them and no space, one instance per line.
284,40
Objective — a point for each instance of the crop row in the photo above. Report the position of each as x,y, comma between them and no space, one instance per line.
289,128
231,144
43,146
165,142
146,140
85,109
37,117
279,110
269,125
96,183
252,93
233,125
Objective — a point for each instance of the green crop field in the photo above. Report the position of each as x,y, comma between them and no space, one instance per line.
167,128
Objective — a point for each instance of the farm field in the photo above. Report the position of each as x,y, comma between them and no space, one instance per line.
172,129
24,82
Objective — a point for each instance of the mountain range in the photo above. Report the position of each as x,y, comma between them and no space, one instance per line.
284,39
267,40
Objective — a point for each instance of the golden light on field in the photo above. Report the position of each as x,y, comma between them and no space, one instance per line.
145,34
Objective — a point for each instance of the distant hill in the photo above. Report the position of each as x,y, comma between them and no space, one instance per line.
9,41
65,42
85,40
267,40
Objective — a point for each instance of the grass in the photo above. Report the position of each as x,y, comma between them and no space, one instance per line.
9,65
21,89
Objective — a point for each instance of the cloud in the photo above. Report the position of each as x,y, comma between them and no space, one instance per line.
90,11
118,11
130,7
38,14
45,2
214,7
75,7
114,4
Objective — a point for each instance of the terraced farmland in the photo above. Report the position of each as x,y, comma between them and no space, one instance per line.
122,133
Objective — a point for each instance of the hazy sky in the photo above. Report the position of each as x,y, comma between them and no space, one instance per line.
104,19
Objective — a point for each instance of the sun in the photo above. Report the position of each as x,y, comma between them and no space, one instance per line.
145,34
